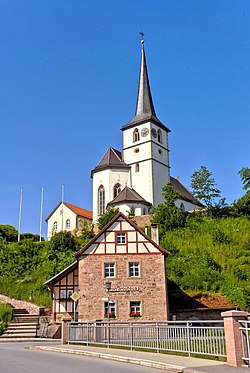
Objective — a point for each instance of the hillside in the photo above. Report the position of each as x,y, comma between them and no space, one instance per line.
207,256
211,255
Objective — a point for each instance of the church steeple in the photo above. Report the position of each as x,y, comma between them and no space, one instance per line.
144,103
145,110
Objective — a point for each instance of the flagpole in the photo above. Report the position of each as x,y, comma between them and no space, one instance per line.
62,204
20,214
41,214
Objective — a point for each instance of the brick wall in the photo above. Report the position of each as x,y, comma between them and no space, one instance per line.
151,285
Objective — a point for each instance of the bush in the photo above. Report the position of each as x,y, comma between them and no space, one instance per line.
5,316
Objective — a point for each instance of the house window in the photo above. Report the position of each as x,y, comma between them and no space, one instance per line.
55,226
136,135
134,269
120,237
117,189
159,135
135,309
137,167
101,200
109,269
67,224
110,309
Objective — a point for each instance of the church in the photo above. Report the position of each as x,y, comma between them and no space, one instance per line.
132,180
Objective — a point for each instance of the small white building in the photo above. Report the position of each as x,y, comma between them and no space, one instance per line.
67,217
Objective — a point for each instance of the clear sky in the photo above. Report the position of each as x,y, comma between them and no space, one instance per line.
68,82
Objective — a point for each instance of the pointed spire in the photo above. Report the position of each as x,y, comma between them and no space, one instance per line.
145,110
144,99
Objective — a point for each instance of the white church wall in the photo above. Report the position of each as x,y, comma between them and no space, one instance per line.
108,178
187,205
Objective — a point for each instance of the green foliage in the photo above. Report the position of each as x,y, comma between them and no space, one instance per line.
211,255
8,233
204,188
245,177
166,214
5,316
105,218
84,234
242,205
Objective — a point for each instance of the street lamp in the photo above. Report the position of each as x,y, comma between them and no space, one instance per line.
108,287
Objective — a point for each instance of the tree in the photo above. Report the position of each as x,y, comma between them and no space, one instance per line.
107,216
242,205
63,242
8,233
204,188
245,177
85,233
166,214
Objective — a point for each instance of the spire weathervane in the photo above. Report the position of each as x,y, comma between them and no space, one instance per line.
142,35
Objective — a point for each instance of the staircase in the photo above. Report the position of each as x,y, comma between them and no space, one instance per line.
23,325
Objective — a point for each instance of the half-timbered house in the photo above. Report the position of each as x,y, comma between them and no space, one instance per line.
119,274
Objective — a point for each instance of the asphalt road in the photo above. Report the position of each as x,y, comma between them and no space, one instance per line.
18,358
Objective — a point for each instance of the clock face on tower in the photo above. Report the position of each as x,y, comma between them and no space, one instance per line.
154,133
144,132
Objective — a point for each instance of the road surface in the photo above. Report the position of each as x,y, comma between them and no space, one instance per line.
18,358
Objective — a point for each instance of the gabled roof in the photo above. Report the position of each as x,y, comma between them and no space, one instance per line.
77,210
117,217
184,192
145,110
129,195
61,274
111,159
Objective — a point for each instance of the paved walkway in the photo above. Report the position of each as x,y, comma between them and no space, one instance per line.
173,363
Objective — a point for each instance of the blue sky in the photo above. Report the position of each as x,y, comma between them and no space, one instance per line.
68,82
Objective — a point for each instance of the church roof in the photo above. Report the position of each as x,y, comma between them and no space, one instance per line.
145,110
77,210
184,192
111,159
129,195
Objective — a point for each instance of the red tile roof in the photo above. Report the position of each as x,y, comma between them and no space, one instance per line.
79,211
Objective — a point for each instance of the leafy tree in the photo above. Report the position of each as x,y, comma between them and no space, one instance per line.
204,188
107,216
85,233
63,242
242,205
166,214
245,177
8,233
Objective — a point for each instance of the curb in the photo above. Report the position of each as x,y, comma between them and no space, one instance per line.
123,359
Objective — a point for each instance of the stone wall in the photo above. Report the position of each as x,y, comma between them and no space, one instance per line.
151,287
32,308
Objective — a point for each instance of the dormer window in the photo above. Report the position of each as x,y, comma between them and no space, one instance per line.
136,135
117,189
159,136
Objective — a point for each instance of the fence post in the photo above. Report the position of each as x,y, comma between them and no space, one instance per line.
233,336
64,336
188,340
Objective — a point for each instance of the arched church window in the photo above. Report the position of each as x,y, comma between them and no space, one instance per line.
137,167
136,135
101,200
55,226
117,189
159,135
182,207
68,224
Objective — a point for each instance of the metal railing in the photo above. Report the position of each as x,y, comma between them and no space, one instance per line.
196,337
245,340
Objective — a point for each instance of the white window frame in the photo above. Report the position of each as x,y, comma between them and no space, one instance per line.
111,308
67,224
121,238
109,270
134,308
134,269
55,225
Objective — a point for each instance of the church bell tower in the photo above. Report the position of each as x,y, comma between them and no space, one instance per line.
145,144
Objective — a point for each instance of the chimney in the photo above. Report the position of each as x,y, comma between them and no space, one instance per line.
155,233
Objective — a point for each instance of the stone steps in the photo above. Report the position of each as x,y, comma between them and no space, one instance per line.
23,325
